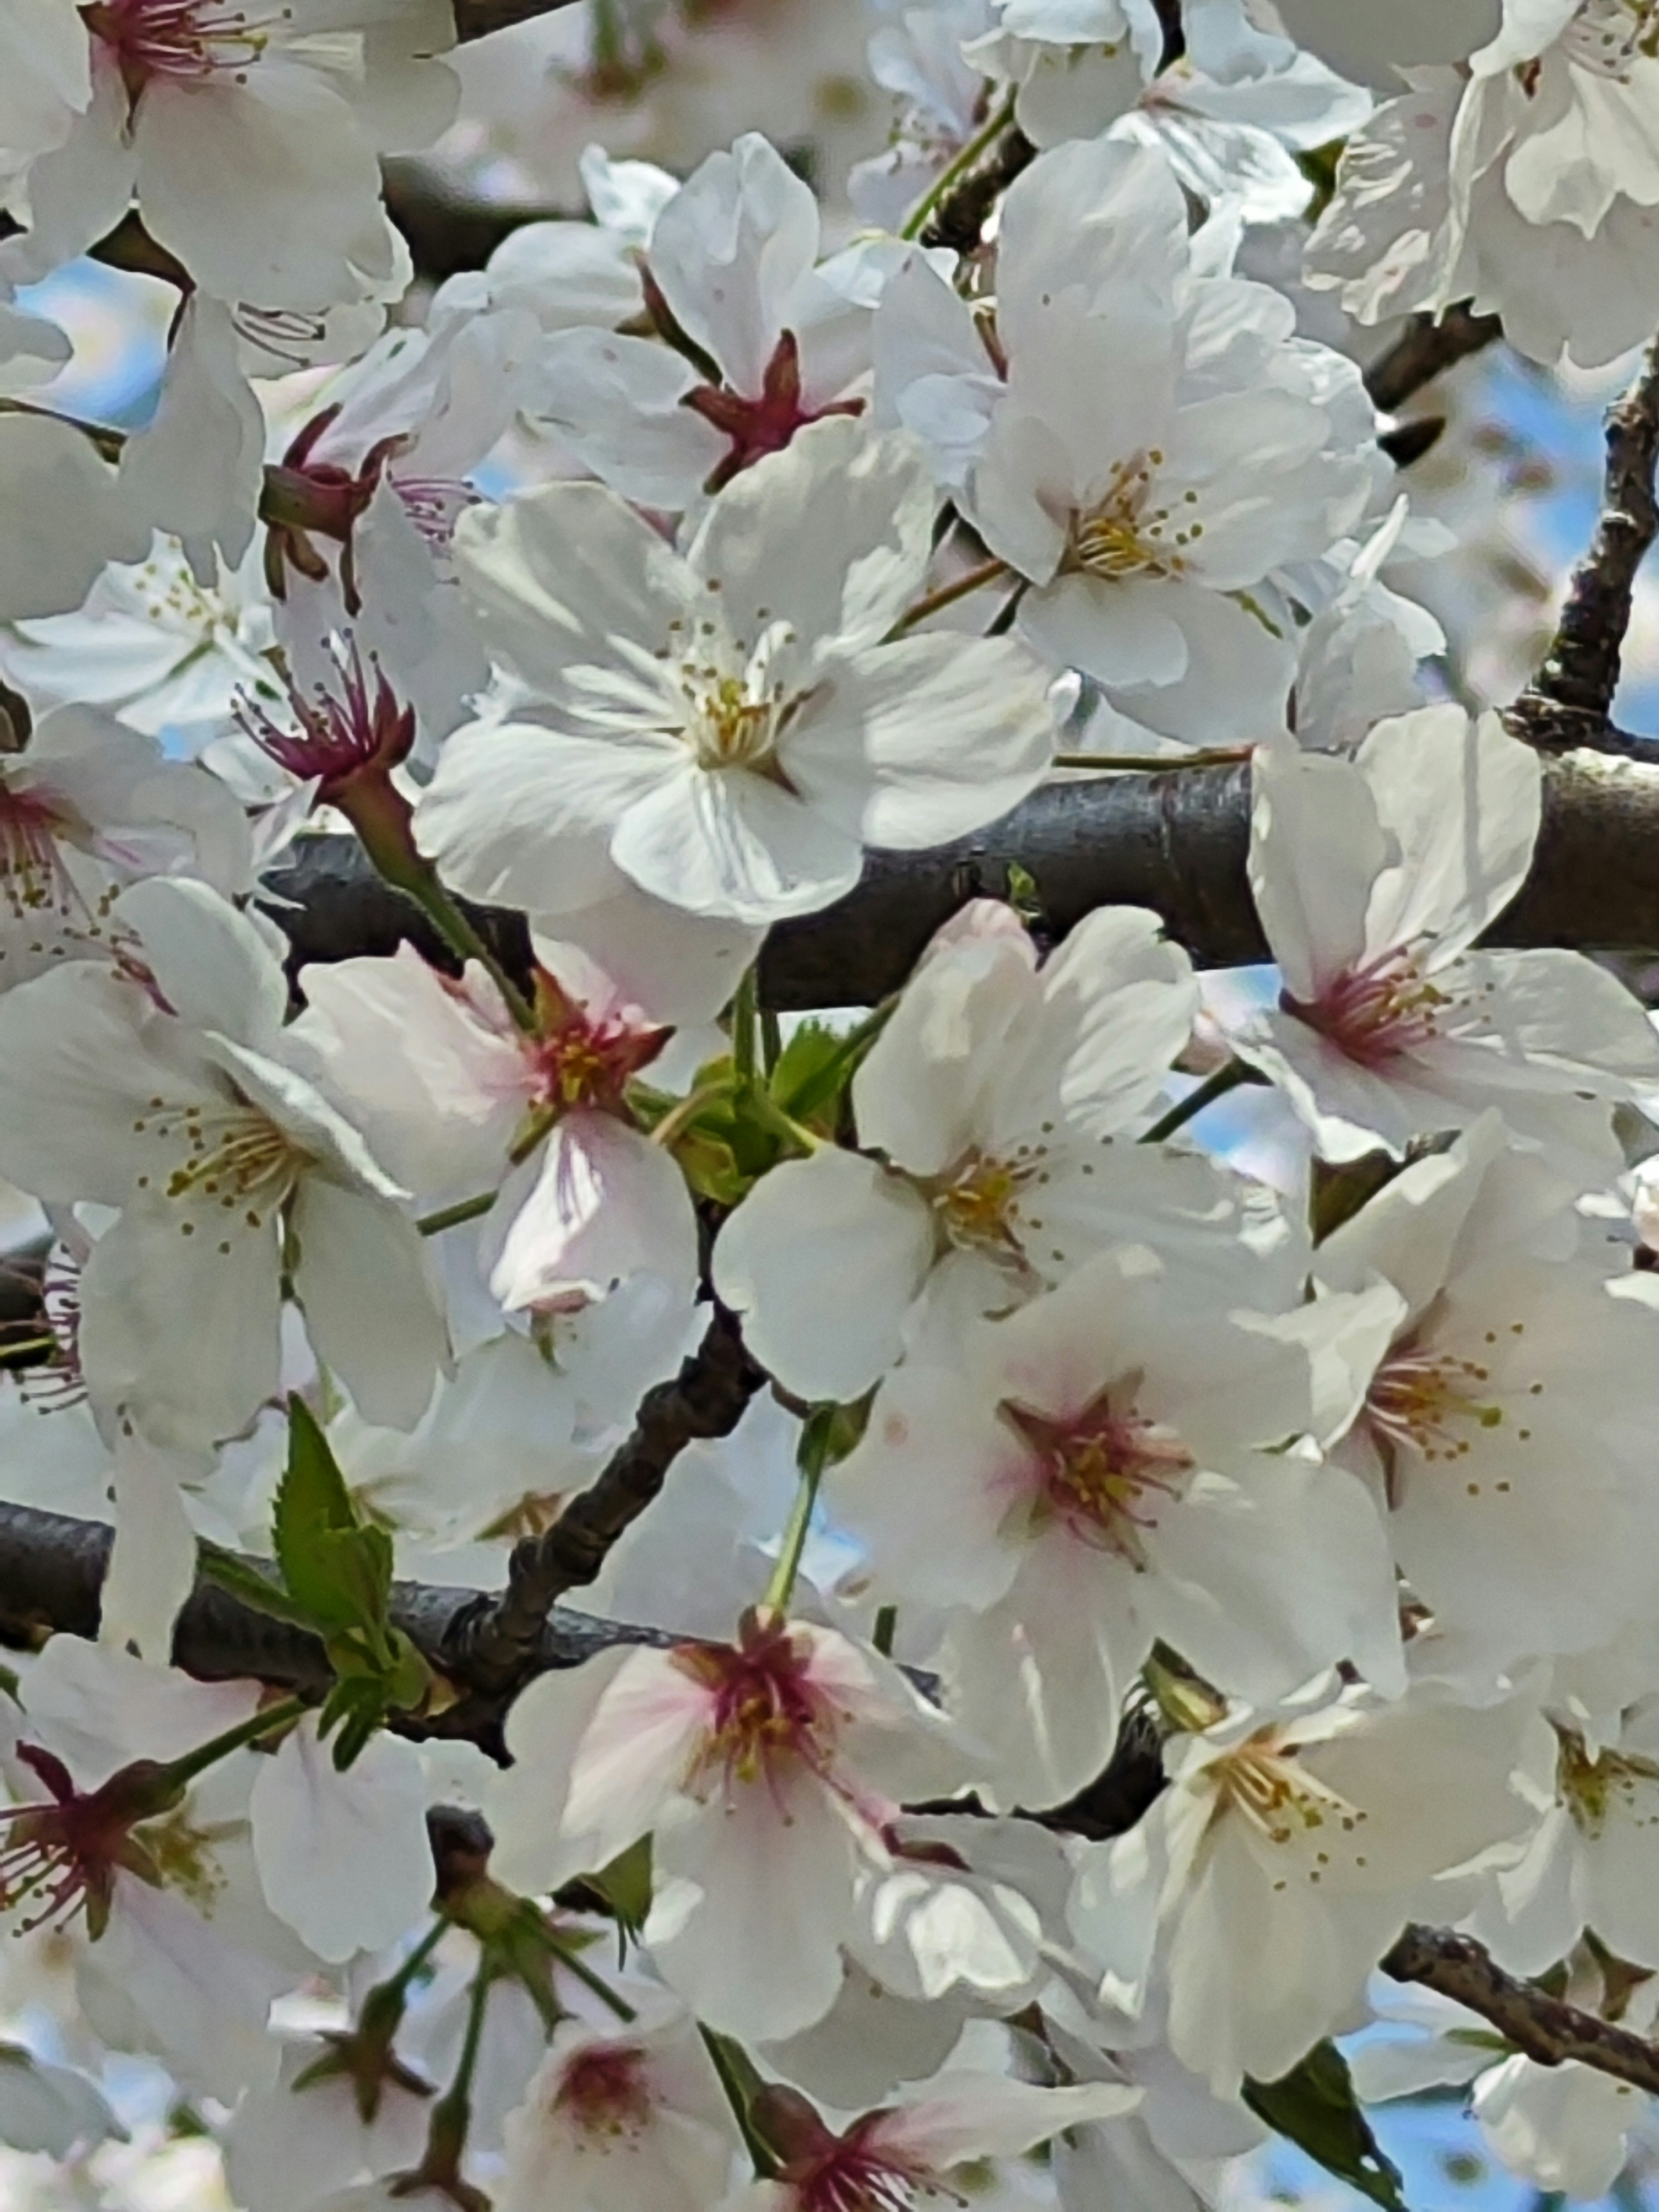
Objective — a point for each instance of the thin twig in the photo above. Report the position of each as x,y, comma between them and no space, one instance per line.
1581,671
1544,2028
1428,347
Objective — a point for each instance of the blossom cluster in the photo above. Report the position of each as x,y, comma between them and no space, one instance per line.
1143,1569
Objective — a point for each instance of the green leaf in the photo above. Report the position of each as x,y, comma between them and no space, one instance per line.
246,1580
626,1884
808,1068
1315,2106
338,1569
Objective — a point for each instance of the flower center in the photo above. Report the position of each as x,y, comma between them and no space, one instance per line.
605,2094
1421,1400
769,1719
1103,1474
728,726
59,1857
357,726
236,1157
188,40
1373,1014
584,1059
1263,1781
1128,533
1588,1786
1610,36
765,423
822,2172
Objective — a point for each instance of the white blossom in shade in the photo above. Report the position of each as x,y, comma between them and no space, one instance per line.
1525,185
1505,1421
733,260
50,2108
87,808
249,141
1378,46
159,651
1103,1468
572,274
1373,877
63,515
344,1858
196,470
725,730
153,1559
767,1773
294,2141
625,2117
1075,65
989,1108
171,1093
1587,1861
1288,1851
903,2154
455,1097
174,1950
47,73
917,55
1215,447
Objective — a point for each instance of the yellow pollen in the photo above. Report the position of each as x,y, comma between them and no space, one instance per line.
1588,1786
1126,534
1264,1782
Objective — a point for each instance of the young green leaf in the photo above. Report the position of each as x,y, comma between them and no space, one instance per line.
1314,2106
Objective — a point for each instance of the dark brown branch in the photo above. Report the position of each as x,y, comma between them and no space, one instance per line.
1176,843
1581,673
445,231
477,19
1427,347
1544,2028
495,1643
961,215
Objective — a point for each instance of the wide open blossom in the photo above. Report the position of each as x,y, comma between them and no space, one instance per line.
622,2116
1507,1418
250,138
904,2155
1157,446
456,1098
1105,1467
1288,1851
725,730
989,1109
172,1093
85,808
733,271
1530,178
768,1773
1373,877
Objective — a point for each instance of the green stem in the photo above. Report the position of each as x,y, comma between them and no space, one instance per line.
771,1037
1215,1086
397,1986
885,1630
1154,763
574,1963
814,1450
681,1115
977,145
451,1217
744,1010
185,1769
464,940
946,596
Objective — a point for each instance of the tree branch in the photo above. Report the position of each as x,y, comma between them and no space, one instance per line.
1544,2028
477,19
1581,671
1426,349
1176,843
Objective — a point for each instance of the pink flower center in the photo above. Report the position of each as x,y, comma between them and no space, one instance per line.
360,725
605,2094
765,423
187,40
850,2172
34,881
582,1059
62,1855
769,1720
1374,1013
1103,1474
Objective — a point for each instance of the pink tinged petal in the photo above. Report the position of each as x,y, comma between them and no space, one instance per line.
652,1721
182,1328
600,1204
1464,799
1317,849
844,583
924,740
362,1281
526,1803
152,1564
679,968
730,843
570,577
752,1876
1121,633
823,1259
729,250
959,2117
342,1858
521,815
